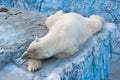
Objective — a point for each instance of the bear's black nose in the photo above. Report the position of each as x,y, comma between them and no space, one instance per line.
25,55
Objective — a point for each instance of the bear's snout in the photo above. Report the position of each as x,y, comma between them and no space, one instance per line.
25,55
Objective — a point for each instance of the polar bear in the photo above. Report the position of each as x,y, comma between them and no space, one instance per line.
66,32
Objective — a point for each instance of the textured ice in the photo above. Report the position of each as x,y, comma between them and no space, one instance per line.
92,62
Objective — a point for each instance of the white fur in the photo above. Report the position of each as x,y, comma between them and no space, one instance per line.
65,34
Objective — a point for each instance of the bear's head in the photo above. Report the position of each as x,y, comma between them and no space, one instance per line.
32,51
51,19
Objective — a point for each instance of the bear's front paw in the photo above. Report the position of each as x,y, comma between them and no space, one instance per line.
34,64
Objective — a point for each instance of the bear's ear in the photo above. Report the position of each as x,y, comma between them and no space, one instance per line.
36,39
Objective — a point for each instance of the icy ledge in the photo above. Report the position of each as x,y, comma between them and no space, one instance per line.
91,62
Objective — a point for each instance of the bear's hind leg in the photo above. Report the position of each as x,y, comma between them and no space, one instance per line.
34,64
62,55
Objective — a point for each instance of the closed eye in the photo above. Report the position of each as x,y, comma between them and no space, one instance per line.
32,50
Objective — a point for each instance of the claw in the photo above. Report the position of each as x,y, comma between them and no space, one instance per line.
34,65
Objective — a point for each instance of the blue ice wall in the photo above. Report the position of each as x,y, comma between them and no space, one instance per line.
96,65
110,9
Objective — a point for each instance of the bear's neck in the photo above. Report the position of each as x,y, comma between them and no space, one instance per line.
50,44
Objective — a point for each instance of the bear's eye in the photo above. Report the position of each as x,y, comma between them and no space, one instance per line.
34,49
28,51
31,50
